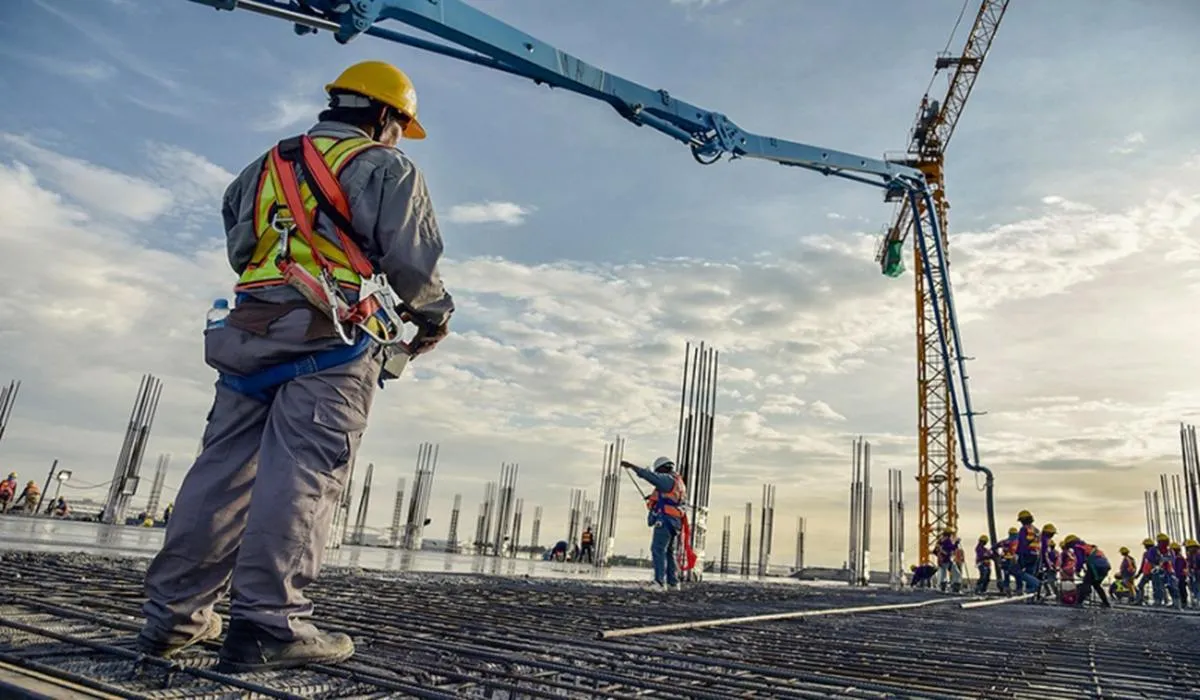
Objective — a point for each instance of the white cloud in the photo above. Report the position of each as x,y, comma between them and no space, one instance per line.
105,191
507,213
1130,143
1078,316
288,112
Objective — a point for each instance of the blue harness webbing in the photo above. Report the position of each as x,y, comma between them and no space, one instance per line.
261,385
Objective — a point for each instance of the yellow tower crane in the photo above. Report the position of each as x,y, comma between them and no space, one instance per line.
937,467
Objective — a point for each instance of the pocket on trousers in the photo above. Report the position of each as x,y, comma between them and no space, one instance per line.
346,421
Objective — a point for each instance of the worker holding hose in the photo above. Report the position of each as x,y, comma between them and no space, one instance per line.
325,231
947,551
1006,552
665,506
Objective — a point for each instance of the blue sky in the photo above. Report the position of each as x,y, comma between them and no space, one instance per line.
1072,178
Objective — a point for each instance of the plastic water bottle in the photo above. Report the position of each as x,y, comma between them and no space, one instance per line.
215,318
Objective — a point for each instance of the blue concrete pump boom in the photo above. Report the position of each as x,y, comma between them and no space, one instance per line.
489,42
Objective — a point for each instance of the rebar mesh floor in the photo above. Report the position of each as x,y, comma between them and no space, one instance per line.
442,636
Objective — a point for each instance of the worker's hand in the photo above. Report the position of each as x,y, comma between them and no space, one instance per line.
627,464
424,343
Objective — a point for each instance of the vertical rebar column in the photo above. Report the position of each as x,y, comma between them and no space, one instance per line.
852,549
418,504
726,528
610,492
1168,517
396,534
505,497
867,503
766,532
487,512
574,516
8,397
515,542
799,566
337,532
895,528
452,537
1149,521
747,539
358,534
129,461
156,486
1157,514
1189,439
1181,526
537,531
694,440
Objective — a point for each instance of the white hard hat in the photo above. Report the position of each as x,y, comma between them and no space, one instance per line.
664,461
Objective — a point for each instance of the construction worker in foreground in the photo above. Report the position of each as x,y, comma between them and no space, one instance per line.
324,231
1094,565
1028,554
1159,565
1146,574
947,552
29,498
8,491
665,506
983,562
587,545
1006,550
1192,555
1048,562
1123,587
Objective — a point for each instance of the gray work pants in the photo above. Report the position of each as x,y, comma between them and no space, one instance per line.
254,511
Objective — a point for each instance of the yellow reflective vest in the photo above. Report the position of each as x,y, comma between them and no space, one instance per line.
271,208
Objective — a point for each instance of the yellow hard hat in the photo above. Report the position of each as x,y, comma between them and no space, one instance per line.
1175,545
983,538
383,83
1070,540
1124,550
1147,542
1049,529
1162,537
1191,543
31,483
12,475
913,567
1013,530
948,531
1024,515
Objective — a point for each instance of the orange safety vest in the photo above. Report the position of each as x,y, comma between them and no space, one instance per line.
586,537
669,503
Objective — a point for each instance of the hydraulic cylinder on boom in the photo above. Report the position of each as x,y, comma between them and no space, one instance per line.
476,37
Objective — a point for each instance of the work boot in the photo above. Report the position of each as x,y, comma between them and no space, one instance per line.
248,648
167,648
672,586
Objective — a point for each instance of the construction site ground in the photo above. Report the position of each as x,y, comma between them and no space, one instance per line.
67,624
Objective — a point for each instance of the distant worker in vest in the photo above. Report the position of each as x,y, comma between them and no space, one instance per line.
60,509
947,552
587,546
1180,568
1006,550
1090,560
922,576
1123,587
28,500
8,491
334,239
1029,545
983,562
665,506
1192,548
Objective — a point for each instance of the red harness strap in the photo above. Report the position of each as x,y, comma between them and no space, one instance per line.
324,185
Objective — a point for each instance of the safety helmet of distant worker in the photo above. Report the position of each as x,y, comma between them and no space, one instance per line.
1025,517
1049,529
32,483
1013,530
1162,537
663,465
1175,546
382,83
12,475
1191,543
1147,542
1124,550
948,531
1070,540
983,539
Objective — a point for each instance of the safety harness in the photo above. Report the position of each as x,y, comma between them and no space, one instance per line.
374,313
376,302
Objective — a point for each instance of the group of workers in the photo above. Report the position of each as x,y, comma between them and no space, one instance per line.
582,551
1030,561
28,500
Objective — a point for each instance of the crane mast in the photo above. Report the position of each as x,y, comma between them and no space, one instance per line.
937,466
